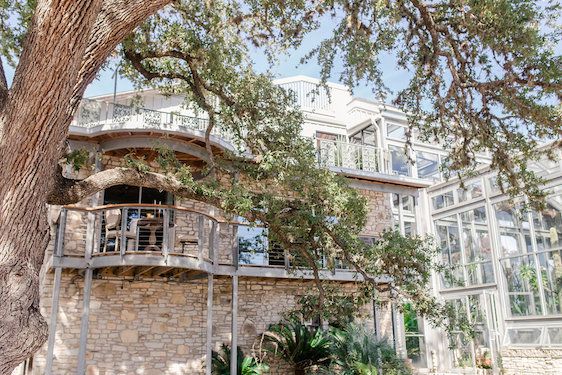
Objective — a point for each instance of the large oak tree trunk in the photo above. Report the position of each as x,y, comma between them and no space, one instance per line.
33,126
66,44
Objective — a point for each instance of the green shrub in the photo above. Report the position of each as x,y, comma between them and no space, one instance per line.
220,363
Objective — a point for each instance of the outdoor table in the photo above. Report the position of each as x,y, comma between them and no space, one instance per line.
152,224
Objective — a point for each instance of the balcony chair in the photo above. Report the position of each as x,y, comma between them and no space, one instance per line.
113,229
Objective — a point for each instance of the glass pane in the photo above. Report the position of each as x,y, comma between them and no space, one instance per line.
443,200
396,131
480,273
551,277
408,203
523,291
515,236
427,165
369,138
399,161
252,245
448,236
395,201
472,190
409,228
462,351
524,336
415,350
555,335
548,224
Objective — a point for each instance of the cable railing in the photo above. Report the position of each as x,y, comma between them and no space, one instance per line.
135,229
162,230
261,252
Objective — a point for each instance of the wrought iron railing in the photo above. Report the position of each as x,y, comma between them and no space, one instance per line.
95,113
332,153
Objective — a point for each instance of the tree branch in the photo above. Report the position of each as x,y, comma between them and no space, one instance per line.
116,19
68,191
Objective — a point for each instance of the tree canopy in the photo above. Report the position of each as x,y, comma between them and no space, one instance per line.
484,77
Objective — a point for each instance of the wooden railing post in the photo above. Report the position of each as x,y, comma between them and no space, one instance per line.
200,237
59,250
123,239
235,247
166,232
209,338
53,324
234,328
212,241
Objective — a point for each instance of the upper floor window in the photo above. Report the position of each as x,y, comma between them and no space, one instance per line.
399,161
366,136
471,190
466,244
121,194
427,164
396,131
443,200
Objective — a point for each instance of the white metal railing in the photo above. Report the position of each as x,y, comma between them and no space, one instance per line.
332,153
96,113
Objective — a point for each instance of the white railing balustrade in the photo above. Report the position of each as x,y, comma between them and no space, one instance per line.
96,114
333,153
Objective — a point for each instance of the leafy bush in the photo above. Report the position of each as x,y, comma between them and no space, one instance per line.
301,346
220,363
356,351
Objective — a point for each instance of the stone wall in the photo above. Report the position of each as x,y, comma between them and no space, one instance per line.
532,361
149,328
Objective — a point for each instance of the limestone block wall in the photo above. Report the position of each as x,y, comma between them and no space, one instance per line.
532,361
156,327
379,212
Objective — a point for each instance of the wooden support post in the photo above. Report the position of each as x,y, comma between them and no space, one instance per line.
53,324
59,248
123,239
209,347
81,370
235,247
234,323
90,235
212,242
216,243
166,233
200,237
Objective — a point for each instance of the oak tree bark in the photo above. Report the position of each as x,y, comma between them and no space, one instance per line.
67,42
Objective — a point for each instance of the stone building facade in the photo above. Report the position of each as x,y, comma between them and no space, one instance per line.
141,301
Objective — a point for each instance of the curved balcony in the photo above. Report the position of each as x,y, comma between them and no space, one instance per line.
139,235
97,117
167,241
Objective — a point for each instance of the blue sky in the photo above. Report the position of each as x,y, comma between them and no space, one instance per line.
288,65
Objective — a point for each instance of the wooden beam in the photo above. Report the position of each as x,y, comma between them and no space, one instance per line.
53,324
234,328
160,270
209,345
125,270
146,270
81,370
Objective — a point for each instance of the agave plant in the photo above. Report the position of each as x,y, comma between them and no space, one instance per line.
300,346
220,363
356,351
